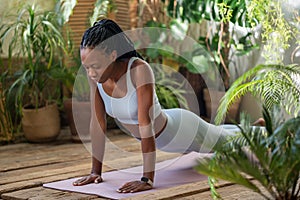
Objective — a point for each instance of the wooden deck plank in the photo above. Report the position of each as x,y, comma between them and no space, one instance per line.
232,192
40,193
42,171
34,160
37,155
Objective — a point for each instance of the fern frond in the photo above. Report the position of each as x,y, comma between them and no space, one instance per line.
273,84
231,96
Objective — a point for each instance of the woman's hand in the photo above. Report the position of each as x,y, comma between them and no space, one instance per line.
134,186
92,178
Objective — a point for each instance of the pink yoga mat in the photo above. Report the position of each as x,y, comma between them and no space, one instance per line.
174,172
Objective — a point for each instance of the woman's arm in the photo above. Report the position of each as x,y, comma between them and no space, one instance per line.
97,132
144,82
97,129
142,78
145,103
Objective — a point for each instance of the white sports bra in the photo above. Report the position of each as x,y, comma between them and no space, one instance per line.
125,109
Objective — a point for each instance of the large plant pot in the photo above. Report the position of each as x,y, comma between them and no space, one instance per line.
212,101
42,124
197,82
78,116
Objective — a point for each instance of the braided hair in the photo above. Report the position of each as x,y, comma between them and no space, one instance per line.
108,36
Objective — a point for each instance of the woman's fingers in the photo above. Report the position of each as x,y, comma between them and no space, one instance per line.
88,179
98,179
134,186
127,186
80,181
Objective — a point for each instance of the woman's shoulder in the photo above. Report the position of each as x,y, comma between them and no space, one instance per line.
141,72
139,62
140,66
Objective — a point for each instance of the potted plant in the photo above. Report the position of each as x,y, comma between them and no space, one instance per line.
263,160
36,40
275,149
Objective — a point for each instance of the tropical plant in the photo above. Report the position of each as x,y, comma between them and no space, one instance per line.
6,123
102,9
81,88
169,91
29,39
278,29
272,84
64,9
268,155
155,10
36,40
219,40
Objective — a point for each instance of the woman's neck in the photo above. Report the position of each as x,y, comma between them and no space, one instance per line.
119,69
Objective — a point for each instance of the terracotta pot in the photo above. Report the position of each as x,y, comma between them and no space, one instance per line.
42,124
78,116
212,101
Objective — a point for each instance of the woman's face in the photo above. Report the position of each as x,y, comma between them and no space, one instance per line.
97,64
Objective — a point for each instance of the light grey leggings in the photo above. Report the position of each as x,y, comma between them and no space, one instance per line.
186,132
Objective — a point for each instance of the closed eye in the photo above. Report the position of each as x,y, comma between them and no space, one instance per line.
94,66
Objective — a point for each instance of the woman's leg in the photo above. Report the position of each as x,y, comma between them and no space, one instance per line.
186,132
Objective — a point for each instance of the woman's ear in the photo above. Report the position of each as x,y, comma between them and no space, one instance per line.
113,55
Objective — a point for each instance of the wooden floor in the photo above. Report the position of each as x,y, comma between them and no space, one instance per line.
24,167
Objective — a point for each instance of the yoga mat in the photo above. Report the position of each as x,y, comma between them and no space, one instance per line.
174,172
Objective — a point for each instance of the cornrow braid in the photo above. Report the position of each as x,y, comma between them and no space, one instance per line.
107,35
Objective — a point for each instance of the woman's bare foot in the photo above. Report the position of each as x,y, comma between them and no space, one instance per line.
260,122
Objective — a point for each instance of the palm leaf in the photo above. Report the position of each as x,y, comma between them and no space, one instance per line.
224,171
270,83
100,10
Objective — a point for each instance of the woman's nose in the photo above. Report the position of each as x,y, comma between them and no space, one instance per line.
91,73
